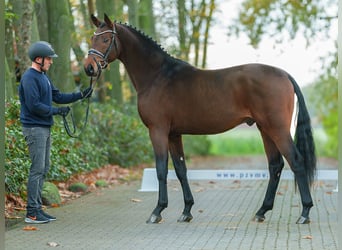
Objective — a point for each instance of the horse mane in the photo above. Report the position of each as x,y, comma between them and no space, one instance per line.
153,43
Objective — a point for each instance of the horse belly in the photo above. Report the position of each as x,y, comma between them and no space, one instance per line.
210,123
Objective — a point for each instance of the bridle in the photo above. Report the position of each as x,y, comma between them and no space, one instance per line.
103,63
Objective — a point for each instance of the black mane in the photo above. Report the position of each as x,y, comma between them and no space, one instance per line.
153,44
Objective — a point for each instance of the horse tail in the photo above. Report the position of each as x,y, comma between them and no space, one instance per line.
303,137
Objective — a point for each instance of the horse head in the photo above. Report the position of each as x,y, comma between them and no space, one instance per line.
105,46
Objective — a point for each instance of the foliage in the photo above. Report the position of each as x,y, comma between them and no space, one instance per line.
326,102
242,141
16,162
108,129
196,145
272,17
238,141
100,144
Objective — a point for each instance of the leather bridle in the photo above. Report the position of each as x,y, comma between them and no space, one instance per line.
103,63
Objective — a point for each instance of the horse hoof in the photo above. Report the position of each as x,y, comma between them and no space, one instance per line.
185,218
303,220
154,219
259,218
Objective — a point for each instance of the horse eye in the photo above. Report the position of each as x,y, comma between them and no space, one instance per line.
105,40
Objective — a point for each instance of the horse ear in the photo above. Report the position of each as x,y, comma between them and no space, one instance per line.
96,21
108,21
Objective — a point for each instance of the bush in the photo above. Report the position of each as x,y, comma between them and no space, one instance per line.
103,140
17,162
122,138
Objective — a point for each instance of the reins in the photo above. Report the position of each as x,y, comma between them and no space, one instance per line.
72,133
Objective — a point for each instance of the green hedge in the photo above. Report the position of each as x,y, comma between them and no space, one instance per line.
110,137
113,135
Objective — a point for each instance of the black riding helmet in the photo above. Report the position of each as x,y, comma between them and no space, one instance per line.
41,49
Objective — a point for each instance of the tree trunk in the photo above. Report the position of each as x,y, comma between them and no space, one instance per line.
42,19
9,59
146,17
183,53
9,91
60,32
110,84
134,21
206,32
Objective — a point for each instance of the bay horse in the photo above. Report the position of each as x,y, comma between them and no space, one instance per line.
175,98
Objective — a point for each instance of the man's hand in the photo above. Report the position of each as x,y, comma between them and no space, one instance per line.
87,92
63,111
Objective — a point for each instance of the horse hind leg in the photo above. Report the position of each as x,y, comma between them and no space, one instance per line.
288,149
275,165
177,155
296,163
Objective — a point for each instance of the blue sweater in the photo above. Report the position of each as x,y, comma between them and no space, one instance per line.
36,93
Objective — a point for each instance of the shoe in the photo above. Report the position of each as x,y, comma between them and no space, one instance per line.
36,219
49,217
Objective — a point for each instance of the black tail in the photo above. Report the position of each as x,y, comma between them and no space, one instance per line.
303,137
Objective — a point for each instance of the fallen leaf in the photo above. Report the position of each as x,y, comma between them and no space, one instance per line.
308,237
54,205
200,210
13,217
20,208
30,228
136,200
52,244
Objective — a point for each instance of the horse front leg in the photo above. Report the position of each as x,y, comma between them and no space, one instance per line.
160,147
177,155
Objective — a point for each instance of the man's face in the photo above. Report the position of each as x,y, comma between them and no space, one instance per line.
47,62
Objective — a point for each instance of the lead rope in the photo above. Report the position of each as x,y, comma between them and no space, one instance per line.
65,122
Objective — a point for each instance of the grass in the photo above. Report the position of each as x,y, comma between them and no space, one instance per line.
247,141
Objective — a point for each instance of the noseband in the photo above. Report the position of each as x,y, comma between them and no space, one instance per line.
104,57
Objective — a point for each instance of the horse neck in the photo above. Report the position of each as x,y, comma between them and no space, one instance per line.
142,65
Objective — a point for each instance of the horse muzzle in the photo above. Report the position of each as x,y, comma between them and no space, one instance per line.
90,71
94,67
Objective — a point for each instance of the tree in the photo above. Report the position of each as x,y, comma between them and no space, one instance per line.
146,17
110,83
193,27
23,27
327,103
283,20
18,38
60,29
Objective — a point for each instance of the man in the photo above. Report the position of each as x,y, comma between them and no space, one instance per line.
36,94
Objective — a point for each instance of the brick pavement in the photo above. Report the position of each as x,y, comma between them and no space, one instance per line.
114,218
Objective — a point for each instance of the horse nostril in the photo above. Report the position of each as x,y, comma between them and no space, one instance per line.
89,70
